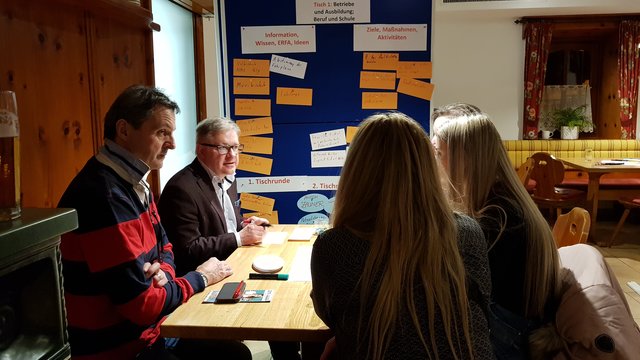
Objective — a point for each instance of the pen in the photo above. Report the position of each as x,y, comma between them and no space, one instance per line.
256,276
265,225
236,294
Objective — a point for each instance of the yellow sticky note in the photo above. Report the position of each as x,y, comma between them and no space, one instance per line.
251,67
256,203
250,86
417,88
293,96
253,107
380,100
377,80
414,69
351,132
380,61
255,126
256,164
272,216
257,144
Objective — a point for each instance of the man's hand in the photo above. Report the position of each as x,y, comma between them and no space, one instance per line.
251,234
153,270
215,270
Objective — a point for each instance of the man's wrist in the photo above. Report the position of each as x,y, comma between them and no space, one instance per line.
204,278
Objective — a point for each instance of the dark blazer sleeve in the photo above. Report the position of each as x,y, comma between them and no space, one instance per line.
193,226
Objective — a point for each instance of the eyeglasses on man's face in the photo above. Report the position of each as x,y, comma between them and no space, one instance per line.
224,149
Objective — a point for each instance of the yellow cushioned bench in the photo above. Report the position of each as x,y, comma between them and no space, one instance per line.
612,186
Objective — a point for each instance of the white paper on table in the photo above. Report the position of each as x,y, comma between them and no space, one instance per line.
301,267
302,234
275,237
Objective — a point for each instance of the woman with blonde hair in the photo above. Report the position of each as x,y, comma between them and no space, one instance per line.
522,253
389,277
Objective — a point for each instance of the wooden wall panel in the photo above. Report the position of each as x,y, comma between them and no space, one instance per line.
45,64
609,127
118,59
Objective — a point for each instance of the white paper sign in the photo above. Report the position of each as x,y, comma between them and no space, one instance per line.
286,66
271,184
390,37
278,39
328,139
331,12
322,159
322,182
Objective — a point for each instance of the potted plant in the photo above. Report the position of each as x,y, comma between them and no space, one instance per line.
571,120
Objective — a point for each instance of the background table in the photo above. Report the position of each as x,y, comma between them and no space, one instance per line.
595,170
288,317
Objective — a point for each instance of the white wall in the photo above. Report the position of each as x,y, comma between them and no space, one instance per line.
478,53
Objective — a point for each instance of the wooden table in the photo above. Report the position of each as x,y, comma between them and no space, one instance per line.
595,170
288,317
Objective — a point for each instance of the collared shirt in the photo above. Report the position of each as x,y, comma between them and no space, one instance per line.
221,186
128,167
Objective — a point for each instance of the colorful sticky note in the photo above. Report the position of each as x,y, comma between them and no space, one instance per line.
257,144
380,61
272,216
351,132
255,126
417,88
414,69
380,100
256,203
253,107
251,67
293,96
256,164
250,86
377,80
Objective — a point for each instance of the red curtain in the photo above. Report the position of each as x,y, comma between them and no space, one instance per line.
628,76
537,38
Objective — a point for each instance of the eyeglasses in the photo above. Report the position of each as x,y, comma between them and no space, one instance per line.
224,149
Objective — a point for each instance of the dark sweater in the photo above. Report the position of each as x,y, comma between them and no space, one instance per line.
337,263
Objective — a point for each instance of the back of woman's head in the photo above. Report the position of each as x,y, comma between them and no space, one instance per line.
479,168
389,194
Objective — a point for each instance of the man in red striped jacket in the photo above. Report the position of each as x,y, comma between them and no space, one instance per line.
118,266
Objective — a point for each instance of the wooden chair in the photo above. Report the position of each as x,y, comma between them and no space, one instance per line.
572,228
524,172
628,203
548,172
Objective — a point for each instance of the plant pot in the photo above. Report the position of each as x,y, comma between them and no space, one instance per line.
569,132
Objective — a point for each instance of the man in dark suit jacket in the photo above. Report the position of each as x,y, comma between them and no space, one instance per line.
199,206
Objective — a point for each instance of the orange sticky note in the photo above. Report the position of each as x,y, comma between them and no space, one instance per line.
256,164
351,132
417,88
257,144
380,61
414,69
272,216
293,96
255,126
253,107
377,80
251,67
380,100
256,203
250,86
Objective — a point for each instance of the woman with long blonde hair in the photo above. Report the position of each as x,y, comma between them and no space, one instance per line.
390,277
484,184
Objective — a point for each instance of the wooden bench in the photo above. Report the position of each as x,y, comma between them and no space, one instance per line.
612,186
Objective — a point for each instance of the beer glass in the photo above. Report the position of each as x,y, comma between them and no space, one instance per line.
9,157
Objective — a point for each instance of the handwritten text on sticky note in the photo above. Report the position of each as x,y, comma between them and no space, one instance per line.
255,126
256,164
327,139
256,203
251,67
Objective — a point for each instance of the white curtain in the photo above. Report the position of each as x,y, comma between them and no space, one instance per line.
557,97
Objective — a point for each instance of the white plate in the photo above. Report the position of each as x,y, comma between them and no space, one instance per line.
267,264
